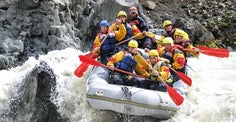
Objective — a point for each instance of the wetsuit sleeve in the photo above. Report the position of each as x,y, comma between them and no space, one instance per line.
137,32
116,58
141,70
120,33
96,43
140,60
160,50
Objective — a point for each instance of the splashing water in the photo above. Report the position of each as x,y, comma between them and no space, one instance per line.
211,97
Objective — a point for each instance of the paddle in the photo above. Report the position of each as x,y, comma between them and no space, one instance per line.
221,53
89,60
183,77
174,95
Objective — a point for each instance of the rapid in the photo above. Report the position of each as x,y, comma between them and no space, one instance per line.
211,97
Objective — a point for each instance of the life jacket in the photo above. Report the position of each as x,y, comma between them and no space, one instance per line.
169,55
181,46
128,31
170,33
128,63
109,45
157,67
140,23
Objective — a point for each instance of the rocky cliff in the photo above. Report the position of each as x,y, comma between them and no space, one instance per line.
34,27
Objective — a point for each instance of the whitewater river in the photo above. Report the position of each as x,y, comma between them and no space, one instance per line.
210,99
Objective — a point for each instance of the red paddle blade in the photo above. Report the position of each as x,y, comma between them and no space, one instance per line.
89,60
174,95
184,78
221,53
79,72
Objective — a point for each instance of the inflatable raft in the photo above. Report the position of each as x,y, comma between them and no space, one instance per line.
127,99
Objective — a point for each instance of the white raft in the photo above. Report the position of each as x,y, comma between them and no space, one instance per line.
129,100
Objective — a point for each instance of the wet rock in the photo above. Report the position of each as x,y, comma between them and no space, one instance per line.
149,5
4,62
31,100
217,18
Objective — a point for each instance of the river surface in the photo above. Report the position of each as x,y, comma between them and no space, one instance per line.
211,98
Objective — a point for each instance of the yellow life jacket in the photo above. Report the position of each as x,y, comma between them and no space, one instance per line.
157,67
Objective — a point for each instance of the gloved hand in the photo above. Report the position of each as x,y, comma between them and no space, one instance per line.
111,67
156,73
118,22
111,34
129,77
146,50
196,50
96,50
144,33
174,65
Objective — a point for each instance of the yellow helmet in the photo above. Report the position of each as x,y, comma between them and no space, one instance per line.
166,22
178,33
168,40
153,53
120,13
133,43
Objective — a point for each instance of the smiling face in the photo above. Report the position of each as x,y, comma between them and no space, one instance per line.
133,15
178,39
153,59
168,27
131,49
104,29
168,46
122,18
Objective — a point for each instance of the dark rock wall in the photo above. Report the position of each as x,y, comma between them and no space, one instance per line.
218,16
210,23
34,27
